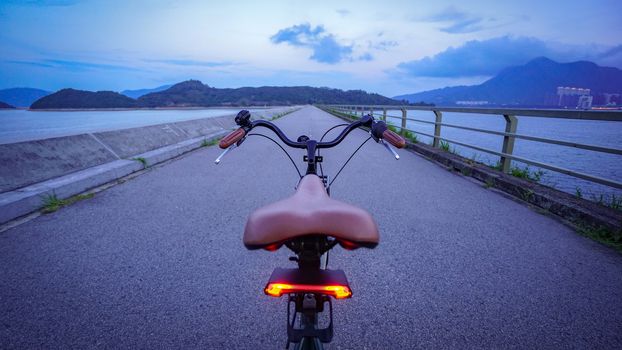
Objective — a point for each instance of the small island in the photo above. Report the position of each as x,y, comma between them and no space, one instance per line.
5,106
79,99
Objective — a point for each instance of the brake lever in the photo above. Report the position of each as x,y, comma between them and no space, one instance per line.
390,149
230,148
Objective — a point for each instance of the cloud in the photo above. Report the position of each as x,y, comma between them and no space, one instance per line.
71,65
382,45
456,21
41,3
488,57
366,57
325,47
610,57
343,12
327,50
185,62
465,26
298,35
30,63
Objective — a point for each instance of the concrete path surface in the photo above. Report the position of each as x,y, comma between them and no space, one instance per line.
158,261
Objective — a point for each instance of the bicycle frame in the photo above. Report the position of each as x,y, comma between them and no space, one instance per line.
307,306
310,286
309,251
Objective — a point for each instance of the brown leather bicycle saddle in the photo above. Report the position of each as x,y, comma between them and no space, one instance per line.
310,211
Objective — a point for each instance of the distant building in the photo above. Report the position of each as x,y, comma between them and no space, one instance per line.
585,102
472,103
574,97
611,99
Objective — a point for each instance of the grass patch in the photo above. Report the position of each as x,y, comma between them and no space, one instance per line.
207,143
411,136
142,161
408,135
489,183
279,115
497,166
52,203
393,128
612,202
522,173
527,174
446,147
526,195
603,235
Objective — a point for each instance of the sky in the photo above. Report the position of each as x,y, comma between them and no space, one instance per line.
388,47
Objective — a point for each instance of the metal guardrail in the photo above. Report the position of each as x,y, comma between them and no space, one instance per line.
509,136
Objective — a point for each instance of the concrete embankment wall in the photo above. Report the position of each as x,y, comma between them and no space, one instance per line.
69,165
26,163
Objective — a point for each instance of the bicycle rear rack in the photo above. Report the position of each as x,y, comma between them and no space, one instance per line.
308,291
308,306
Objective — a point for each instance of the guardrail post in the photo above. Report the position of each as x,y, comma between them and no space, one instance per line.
371,111
508,142
437,128
404,115
384,115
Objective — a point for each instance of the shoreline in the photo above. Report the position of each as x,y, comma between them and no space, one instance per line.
143,109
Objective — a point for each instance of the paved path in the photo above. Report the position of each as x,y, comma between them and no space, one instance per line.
158,262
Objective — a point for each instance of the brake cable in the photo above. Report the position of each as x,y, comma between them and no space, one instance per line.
321,139
346,163
283,149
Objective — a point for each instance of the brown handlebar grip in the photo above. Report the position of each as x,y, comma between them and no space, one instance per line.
232,138
394,139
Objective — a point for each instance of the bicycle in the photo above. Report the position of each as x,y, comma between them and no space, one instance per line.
310,224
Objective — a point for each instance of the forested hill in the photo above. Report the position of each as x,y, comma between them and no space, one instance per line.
193,93
78,99
5,105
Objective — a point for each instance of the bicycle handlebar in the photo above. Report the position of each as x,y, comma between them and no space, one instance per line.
365,121
378,130
232,138
394,139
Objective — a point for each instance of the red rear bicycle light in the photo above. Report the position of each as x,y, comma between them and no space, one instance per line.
337,291
327,282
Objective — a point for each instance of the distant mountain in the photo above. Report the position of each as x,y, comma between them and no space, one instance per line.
194,93
22,97
138,93
533,84
5,105
78,99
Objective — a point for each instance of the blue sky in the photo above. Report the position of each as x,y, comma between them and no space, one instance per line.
389,47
